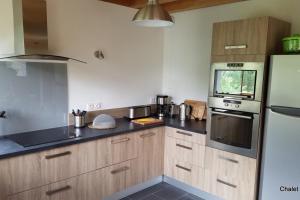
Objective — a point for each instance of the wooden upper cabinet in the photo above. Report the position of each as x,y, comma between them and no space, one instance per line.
258,36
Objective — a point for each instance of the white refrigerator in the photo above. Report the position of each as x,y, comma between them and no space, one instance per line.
280,175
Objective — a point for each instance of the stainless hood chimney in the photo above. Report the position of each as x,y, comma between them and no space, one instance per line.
30,34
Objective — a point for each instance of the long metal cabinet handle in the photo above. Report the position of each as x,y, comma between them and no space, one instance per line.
225,183
185,147
184,133
184,168
119,170
120,140
243,46
229,159
231,115
51,192
48,157
147,135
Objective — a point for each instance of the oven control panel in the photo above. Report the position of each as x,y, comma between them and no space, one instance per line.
234,104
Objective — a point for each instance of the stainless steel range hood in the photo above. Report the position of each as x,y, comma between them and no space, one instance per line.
30,34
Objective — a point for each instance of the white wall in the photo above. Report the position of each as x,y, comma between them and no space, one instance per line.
130,74
187,46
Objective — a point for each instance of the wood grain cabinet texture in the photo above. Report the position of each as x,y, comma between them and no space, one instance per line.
230,176
150,154
257,36
116,149
184,156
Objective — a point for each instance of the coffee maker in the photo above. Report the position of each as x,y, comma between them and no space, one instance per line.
162,105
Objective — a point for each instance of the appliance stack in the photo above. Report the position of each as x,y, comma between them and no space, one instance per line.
234,113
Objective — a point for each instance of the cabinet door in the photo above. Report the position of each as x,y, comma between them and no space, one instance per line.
59,164
240,37
151,151
185,151
114,178
116,149
186,135
35,194
229,176
20,173
185,172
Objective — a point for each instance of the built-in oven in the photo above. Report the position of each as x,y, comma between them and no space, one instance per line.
233,131
234,107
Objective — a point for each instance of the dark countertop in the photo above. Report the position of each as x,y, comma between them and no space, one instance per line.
9,148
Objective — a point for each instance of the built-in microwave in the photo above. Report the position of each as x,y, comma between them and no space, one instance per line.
238,80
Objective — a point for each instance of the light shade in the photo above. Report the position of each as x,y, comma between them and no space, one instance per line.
153,15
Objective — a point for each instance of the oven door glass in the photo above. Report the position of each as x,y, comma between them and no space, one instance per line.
232,128
235,82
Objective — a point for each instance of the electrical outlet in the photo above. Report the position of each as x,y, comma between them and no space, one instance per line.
98,106
90,107
152,100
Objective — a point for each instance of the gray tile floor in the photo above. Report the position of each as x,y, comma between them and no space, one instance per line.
162,191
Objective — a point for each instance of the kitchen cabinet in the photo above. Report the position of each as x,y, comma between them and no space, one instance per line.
151,153
186,135
83,187
184,156
119,177
257,36
229,176
20,173
116,149
62,163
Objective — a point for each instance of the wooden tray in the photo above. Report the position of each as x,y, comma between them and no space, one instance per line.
147,121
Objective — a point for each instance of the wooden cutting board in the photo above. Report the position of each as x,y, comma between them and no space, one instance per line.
147,121
198,109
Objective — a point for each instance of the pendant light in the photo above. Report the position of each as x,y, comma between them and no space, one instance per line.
153,15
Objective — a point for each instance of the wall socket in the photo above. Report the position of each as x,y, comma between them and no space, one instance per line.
93,106
152,100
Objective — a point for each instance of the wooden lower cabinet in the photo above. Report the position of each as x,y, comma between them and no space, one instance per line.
185,172
230,176
150,154
116,149
19,174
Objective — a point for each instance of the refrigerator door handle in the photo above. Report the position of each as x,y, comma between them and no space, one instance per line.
293,112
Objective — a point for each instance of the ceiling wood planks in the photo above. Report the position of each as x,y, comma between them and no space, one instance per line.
175,5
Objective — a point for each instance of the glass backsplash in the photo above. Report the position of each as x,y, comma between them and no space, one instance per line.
34,96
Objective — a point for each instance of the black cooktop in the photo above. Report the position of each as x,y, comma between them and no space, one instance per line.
46,136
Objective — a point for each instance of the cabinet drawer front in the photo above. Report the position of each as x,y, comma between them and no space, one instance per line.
116,149
20,173
186,135
151,153
229,176
59,164
35,194
185,151
185,172
115,178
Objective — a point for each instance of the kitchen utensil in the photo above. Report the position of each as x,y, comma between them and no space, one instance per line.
199,110
103,121
291,44
79,121
2,114
184,111
147,121
139,112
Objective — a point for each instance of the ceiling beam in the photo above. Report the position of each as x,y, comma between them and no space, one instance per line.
183,5
175,5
